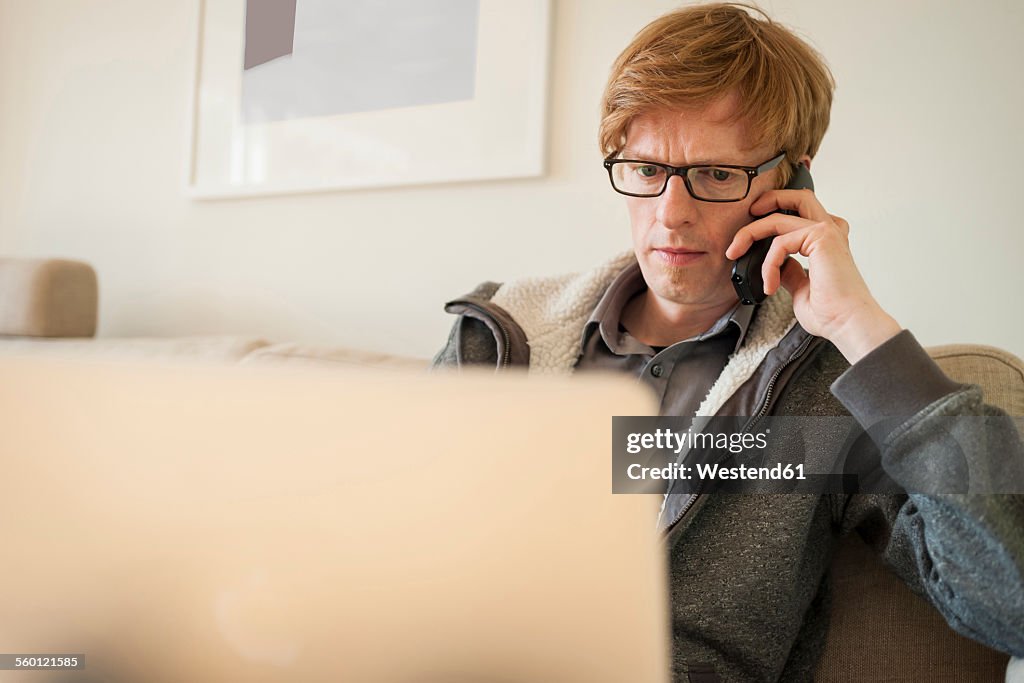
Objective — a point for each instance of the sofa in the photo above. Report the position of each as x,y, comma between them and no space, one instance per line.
49,307
879,631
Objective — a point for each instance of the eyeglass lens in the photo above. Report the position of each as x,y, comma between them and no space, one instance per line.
706,182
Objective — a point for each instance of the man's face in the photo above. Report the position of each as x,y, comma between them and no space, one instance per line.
680,241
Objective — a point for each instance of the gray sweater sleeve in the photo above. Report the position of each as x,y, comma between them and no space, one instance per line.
962,549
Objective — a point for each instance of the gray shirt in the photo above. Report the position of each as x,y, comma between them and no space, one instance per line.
681,374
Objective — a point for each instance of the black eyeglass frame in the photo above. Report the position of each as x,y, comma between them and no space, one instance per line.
681,171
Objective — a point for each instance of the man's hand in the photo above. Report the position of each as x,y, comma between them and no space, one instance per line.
831,299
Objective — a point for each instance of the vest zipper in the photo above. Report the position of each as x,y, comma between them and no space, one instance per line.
506,357
754,420
682,512
774,378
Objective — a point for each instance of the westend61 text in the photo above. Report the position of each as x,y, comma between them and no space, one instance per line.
715,472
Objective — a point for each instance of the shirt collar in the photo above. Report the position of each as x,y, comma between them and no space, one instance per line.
625,286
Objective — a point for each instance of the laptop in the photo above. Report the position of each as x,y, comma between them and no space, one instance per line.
182,522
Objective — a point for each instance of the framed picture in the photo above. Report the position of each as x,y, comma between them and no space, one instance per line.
310,95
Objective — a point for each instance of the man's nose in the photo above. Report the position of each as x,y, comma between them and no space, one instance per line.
676,208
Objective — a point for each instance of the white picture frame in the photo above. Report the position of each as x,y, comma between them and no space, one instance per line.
499,133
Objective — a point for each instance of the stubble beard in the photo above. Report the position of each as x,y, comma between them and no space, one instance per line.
684,284
678,282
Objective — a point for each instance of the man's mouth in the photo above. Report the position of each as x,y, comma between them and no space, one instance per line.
678,256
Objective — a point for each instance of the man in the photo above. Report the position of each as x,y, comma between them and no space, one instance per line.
706,115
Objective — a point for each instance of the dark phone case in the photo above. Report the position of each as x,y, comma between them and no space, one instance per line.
746,272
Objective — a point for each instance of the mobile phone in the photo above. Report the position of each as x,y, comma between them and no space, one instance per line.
746,271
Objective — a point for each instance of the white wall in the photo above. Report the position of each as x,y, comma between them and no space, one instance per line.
922,159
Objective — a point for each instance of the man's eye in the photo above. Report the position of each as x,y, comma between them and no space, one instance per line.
648,171
716,176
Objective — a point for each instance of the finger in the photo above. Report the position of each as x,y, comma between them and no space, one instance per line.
802,201
778,253
793,276
774,224
841,223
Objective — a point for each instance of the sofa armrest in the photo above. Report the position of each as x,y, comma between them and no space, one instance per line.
999,373
47,298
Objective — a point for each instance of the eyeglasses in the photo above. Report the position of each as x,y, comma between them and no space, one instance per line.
719,183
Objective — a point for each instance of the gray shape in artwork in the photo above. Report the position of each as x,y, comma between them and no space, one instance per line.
269,30
367,55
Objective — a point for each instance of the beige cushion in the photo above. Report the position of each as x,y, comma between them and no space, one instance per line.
880,631
47,298
999,374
